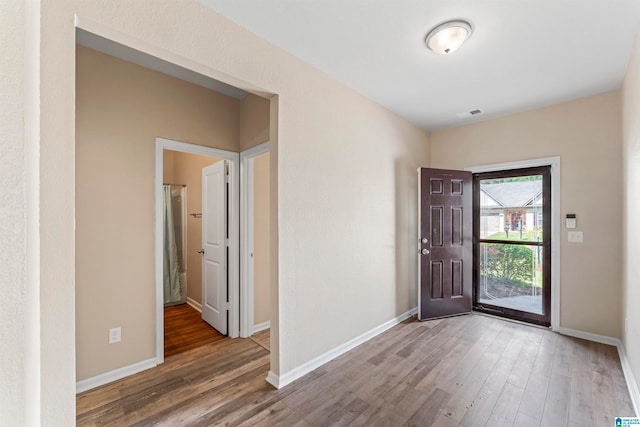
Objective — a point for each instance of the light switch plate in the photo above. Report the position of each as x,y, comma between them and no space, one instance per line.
115,335
575,237
571,223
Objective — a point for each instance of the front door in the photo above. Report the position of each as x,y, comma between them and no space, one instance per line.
215,235
445,243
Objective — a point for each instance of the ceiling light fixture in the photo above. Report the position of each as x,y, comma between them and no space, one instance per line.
448,36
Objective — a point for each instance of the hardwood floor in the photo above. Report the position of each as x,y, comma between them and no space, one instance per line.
460,371
262,338
185,330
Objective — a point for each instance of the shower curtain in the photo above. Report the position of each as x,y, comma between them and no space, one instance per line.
172,288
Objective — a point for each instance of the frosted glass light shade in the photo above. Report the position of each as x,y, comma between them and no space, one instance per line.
447,37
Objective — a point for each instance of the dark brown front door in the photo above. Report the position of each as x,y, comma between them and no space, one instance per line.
445,246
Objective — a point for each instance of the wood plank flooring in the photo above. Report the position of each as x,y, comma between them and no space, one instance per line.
185,330
462,371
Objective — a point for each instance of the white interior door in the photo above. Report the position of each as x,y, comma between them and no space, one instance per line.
214,245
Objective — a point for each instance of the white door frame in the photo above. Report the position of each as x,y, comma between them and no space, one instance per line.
554,162
246,234
234,234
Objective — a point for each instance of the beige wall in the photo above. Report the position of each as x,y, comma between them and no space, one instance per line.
261,232
187,169
168,161
631,225
586,135
345,237
356,215
121,109
313,110
254,121
13,223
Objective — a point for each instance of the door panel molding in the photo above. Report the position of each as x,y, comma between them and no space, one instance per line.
554,162
234,233
445,241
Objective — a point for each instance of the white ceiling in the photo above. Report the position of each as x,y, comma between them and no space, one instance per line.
523,54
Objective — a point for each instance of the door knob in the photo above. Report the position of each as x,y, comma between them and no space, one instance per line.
424,240
425,252
201,251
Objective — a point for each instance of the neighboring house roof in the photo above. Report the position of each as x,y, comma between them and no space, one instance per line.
513,194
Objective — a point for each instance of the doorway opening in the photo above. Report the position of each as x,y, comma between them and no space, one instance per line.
185,325
212,243
242,305
122,107
512,244
255,253
461,249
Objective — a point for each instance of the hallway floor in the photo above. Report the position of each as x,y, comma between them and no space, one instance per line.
461,371
185,330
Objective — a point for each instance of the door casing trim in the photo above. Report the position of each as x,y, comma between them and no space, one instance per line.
234,234
246,236
554,163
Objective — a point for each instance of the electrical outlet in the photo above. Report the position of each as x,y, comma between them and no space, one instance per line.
115,335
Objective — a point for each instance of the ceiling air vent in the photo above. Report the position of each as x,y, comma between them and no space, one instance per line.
466,114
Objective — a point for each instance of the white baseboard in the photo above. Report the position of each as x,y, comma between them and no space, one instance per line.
629,378
632,386
273,379
261,326
114,375
279,381
602,339
195,304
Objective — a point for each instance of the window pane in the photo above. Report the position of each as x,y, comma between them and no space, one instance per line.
511,208
511,276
